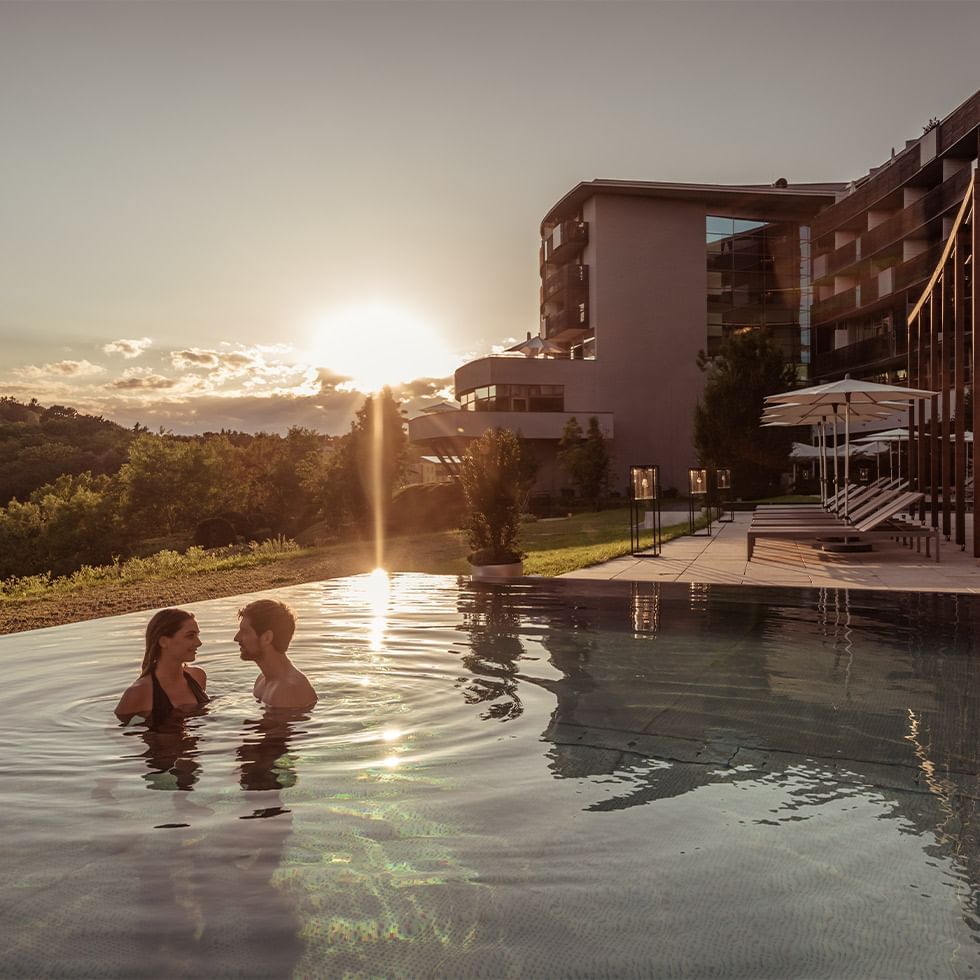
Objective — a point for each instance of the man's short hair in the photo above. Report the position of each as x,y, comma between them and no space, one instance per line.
270,614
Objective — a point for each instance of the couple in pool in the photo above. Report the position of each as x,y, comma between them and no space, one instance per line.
167,684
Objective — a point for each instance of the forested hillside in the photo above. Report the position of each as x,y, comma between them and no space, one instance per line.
39,444
83,491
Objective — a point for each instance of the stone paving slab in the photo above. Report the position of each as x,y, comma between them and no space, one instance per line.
720,559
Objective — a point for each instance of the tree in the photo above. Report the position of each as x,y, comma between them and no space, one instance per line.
491,474
321,476
372,456
275,494
63,525
170,484
586,459
727,432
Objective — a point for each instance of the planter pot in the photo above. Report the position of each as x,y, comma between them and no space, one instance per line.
497,572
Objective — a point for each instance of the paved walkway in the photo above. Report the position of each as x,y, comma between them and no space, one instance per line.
720,558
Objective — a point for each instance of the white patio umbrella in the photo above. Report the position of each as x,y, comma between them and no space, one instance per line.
533,346
790,414
850,393
889,437
892,436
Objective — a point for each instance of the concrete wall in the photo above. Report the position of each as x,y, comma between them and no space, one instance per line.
648,305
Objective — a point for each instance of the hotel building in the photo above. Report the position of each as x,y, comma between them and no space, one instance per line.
637,278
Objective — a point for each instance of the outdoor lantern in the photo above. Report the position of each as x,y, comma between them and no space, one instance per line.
644,491
645,483
723,487
698,481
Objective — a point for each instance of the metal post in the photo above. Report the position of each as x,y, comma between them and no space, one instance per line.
934,407
945,348
959,379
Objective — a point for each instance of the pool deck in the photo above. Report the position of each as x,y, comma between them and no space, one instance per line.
720,558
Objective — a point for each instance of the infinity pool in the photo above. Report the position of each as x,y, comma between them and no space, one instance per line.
569,779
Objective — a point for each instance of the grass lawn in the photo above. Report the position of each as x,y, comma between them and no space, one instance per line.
552,547
557,546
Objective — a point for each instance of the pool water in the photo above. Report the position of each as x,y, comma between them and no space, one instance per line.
544,779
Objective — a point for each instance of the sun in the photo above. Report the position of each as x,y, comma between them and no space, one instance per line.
375,344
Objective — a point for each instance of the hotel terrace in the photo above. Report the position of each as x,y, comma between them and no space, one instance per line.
637,278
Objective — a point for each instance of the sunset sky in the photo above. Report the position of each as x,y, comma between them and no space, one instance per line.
245,215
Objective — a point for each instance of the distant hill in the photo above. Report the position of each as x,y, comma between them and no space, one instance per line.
38,444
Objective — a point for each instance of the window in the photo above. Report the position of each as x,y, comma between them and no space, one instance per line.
514,398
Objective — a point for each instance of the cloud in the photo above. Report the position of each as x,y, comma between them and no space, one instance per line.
251,388
231,362
192,357
330,380
59,369
425,388
128,348
145,382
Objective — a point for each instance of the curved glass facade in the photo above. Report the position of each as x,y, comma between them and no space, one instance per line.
514,398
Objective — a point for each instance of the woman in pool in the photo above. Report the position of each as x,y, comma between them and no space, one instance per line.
166,684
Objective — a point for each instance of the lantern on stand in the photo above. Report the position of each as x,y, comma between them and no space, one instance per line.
697,496
645,508
723,488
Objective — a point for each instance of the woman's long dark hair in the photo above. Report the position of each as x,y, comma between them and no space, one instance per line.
164,623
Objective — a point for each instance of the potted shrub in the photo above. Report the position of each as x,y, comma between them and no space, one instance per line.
491,476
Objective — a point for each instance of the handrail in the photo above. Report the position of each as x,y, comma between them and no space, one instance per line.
950,245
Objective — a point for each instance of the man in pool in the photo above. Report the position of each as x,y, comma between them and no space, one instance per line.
265,629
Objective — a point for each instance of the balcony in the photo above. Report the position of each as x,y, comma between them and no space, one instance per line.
565,326
870,352
569,277
960,123
850,210
834,307
869,291
946,197
918,269
566,240
834,262
941,200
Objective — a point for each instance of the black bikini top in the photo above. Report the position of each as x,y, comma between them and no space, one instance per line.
162,708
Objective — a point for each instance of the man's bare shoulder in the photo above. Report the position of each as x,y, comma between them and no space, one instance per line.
294,691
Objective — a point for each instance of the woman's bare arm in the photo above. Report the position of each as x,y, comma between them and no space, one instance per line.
136,700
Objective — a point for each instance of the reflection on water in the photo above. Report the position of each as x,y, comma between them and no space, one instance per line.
493,624
171,755
266,761
525,780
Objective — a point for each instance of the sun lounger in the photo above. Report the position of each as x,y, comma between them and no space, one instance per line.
856,494
881,523
857,509
864,507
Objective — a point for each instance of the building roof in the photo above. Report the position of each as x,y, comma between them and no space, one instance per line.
731,200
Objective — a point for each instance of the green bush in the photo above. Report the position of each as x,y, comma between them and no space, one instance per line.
491,476
62,524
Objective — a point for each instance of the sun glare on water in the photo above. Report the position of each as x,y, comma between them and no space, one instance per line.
374,345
